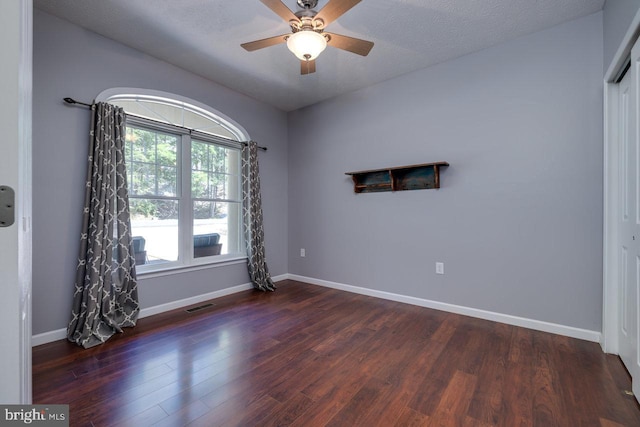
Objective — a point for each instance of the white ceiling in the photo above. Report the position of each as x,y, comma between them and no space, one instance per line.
204,36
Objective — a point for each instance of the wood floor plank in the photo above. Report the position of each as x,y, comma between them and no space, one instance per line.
330,395
312,356
615,410
239,411
389,410
288,412
547,399
609,423
455,400
146,418
577,395
355,413
187,413
488,402
472,422
410,418
450,360
518,389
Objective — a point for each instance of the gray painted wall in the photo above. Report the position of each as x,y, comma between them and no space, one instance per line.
518,220
70,61
617,16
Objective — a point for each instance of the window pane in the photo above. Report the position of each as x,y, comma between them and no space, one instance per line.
199,156
204,124
216,228
222,185
200,185
215,171
143,179
181,114
152,162
167,181
167,149
149,109
143,144
154,226
218,159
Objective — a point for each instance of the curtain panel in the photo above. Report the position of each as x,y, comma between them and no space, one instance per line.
106,297
253,221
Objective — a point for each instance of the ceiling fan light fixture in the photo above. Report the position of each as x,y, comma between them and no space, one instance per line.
306,44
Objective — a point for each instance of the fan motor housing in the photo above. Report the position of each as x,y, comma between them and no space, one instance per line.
307,4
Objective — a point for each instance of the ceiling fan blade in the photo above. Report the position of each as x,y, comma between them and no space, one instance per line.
307,67
280,9
334,9
350,44
259,44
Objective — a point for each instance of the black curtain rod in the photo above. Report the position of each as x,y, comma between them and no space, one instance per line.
74,102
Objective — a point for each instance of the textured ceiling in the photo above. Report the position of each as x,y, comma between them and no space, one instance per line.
204,36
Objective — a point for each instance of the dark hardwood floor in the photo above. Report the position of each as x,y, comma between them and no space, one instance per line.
311,356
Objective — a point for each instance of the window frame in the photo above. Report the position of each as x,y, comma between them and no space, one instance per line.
186,259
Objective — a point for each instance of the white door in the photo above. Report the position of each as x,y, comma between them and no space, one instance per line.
629,225
15,172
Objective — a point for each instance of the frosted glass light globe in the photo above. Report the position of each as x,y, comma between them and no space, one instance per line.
306,44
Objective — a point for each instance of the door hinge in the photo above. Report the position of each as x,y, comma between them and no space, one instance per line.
7,206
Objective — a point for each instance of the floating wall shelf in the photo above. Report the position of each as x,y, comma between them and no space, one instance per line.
414,177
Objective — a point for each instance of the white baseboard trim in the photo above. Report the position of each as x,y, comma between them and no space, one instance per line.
150,311
538,325
47,337
280,277
60,334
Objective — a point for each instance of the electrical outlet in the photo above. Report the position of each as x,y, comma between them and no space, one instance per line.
439,267
303,252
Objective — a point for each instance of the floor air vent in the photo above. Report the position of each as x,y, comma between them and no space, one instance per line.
198,308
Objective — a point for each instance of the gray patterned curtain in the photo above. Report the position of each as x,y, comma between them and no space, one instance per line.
106,295
252,217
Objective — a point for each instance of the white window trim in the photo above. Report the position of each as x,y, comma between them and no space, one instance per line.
220,261
242,137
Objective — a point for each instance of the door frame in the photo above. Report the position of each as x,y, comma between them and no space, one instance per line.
611,262
25,172
15,240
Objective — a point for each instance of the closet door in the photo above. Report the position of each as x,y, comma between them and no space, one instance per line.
629,225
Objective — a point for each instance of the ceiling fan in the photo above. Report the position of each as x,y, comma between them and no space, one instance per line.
308,38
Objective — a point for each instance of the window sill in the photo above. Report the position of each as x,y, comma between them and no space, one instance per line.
220,261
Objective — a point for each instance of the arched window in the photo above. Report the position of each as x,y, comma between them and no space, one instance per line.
184,179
